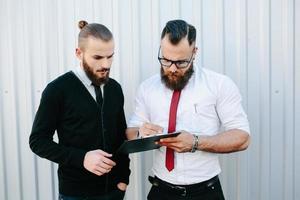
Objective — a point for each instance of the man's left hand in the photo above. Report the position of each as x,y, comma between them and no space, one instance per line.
122,186
182,143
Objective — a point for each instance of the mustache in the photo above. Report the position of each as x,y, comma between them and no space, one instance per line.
103,70
172,73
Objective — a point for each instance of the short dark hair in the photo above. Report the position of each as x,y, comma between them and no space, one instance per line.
178,29
95,30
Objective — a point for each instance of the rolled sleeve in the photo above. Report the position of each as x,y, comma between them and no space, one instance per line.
229,107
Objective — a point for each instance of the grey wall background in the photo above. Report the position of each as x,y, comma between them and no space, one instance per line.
256,43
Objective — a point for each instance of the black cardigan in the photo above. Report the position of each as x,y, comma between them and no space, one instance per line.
67,107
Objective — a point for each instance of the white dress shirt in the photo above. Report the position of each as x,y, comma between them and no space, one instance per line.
81,75
209,103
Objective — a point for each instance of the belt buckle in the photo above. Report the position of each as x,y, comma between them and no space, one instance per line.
181,189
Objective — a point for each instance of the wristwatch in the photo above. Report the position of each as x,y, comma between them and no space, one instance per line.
195,144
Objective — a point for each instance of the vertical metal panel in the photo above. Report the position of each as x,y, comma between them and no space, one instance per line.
254,66
3,185
212,31
10,139
296,113
277,59
232,39
288,103
256,43
23,104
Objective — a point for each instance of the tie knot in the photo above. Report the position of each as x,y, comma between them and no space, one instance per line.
95,85
177,92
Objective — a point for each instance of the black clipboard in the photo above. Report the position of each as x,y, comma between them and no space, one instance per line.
143,144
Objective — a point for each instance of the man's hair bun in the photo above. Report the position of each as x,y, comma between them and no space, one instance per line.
82,24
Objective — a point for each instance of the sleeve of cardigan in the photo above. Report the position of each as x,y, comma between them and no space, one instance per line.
123,160
44,126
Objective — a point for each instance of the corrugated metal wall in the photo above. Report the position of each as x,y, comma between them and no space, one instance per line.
256,43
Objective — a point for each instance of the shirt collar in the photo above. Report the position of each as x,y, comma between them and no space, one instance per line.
84,78
82,75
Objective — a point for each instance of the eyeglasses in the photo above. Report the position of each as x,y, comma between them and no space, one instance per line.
180,64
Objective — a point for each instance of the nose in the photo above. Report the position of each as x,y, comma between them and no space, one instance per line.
105,63
173,67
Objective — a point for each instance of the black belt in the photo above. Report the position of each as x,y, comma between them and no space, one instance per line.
182,190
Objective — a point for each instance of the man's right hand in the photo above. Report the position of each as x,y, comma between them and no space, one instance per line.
98,162
149,129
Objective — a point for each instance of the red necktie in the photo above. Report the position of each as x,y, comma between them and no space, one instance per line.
172,128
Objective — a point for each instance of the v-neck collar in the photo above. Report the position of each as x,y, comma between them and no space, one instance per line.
85,89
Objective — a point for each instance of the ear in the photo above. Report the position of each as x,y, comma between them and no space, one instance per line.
79,53
195,52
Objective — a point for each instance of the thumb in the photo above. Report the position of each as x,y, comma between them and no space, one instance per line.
103,153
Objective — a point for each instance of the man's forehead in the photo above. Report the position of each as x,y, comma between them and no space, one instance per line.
100,47
180,51
182,45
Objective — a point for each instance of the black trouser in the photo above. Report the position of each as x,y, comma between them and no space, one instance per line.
207,190
113,195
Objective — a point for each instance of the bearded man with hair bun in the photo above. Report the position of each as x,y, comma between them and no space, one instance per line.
85,108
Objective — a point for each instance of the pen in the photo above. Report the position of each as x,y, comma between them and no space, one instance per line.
195,107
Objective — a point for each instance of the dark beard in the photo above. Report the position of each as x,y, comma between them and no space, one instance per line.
93,77
180,82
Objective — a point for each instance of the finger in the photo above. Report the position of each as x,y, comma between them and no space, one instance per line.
159,129
103,153
101,170
174,147
98,173
146,126
171,144
164,144
122,186
108,161
167,144
150,132
104,165
145,132
154,127
169,140
177,149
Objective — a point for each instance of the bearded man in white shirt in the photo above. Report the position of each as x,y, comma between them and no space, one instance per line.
203,105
